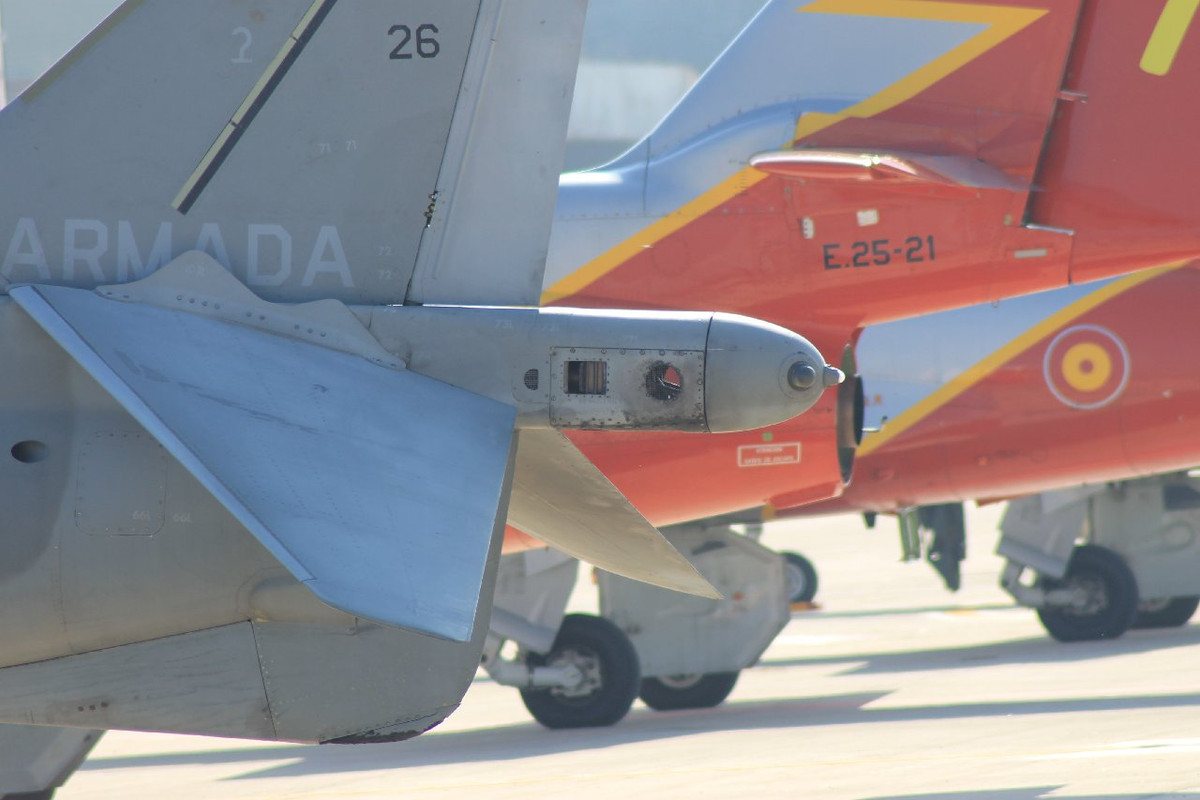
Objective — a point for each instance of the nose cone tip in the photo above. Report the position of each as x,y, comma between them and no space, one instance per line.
801,376
832,376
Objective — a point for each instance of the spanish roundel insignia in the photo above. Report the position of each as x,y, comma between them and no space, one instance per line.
1086,366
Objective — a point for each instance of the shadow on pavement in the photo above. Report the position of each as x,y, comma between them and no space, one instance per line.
529,740
1033,793
1036,650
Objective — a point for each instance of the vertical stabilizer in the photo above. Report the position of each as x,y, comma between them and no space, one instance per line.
3,78
962,76
1121,159
309,151
968,89
490,219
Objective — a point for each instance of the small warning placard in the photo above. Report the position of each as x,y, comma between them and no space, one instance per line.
768,455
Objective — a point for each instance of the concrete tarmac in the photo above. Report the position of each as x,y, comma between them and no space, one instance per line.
893,689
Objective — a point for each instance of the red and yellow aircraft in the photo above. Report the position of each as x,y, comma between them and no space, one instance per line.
1093,391
1035,394
905,156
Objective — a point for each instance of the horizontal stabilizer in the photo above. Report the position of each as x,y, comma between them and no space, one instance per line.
563,499
380,489
896,168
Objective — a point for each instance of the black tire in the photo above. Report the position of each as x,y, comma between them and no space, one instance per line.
44,794
606,656
800,577
1112,597
687,691
1173,613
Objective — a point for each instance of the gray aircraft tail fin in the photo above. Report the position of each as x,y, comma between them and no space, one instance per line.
307,145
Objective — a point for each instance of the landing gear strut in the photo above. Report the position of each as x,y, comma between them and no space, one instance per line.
573,671
1107,558
606,675
1103,597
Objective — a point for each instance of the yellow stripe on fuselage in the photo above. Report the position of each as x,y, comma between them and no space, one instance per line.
660,229
1016,347
1002,21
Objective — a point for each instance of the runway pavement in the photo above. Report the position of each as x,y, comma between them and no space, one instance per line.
895,688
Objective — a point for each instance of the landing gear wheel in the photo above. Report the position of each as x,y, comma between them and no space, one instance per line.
675,692
1107,597
609,665
1172,612
800,578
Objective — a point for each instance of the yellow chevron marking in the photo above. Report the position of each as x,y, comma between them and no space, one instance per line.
1002,23
970,377
1168,35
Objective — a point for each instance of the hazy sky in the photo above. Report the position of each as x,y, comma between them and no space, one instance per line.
686,33
37,32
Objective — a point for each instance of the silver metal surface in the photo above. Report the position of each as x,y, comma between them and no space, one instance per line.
289,436
563,499
304,683
299,146
317,194
34,759
733,370
507,625
746,374
636,394
490,220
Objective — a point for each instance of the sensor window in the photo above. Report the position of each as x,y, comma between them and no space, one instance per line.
587,377
664,381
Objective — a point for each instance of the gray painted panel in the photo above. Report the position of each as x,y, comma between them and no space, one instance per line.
34,496
67,591
113,132
351,142
327,683
196,571
33,759
487,239
121,484
370,683
205,682
324,188
377,487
